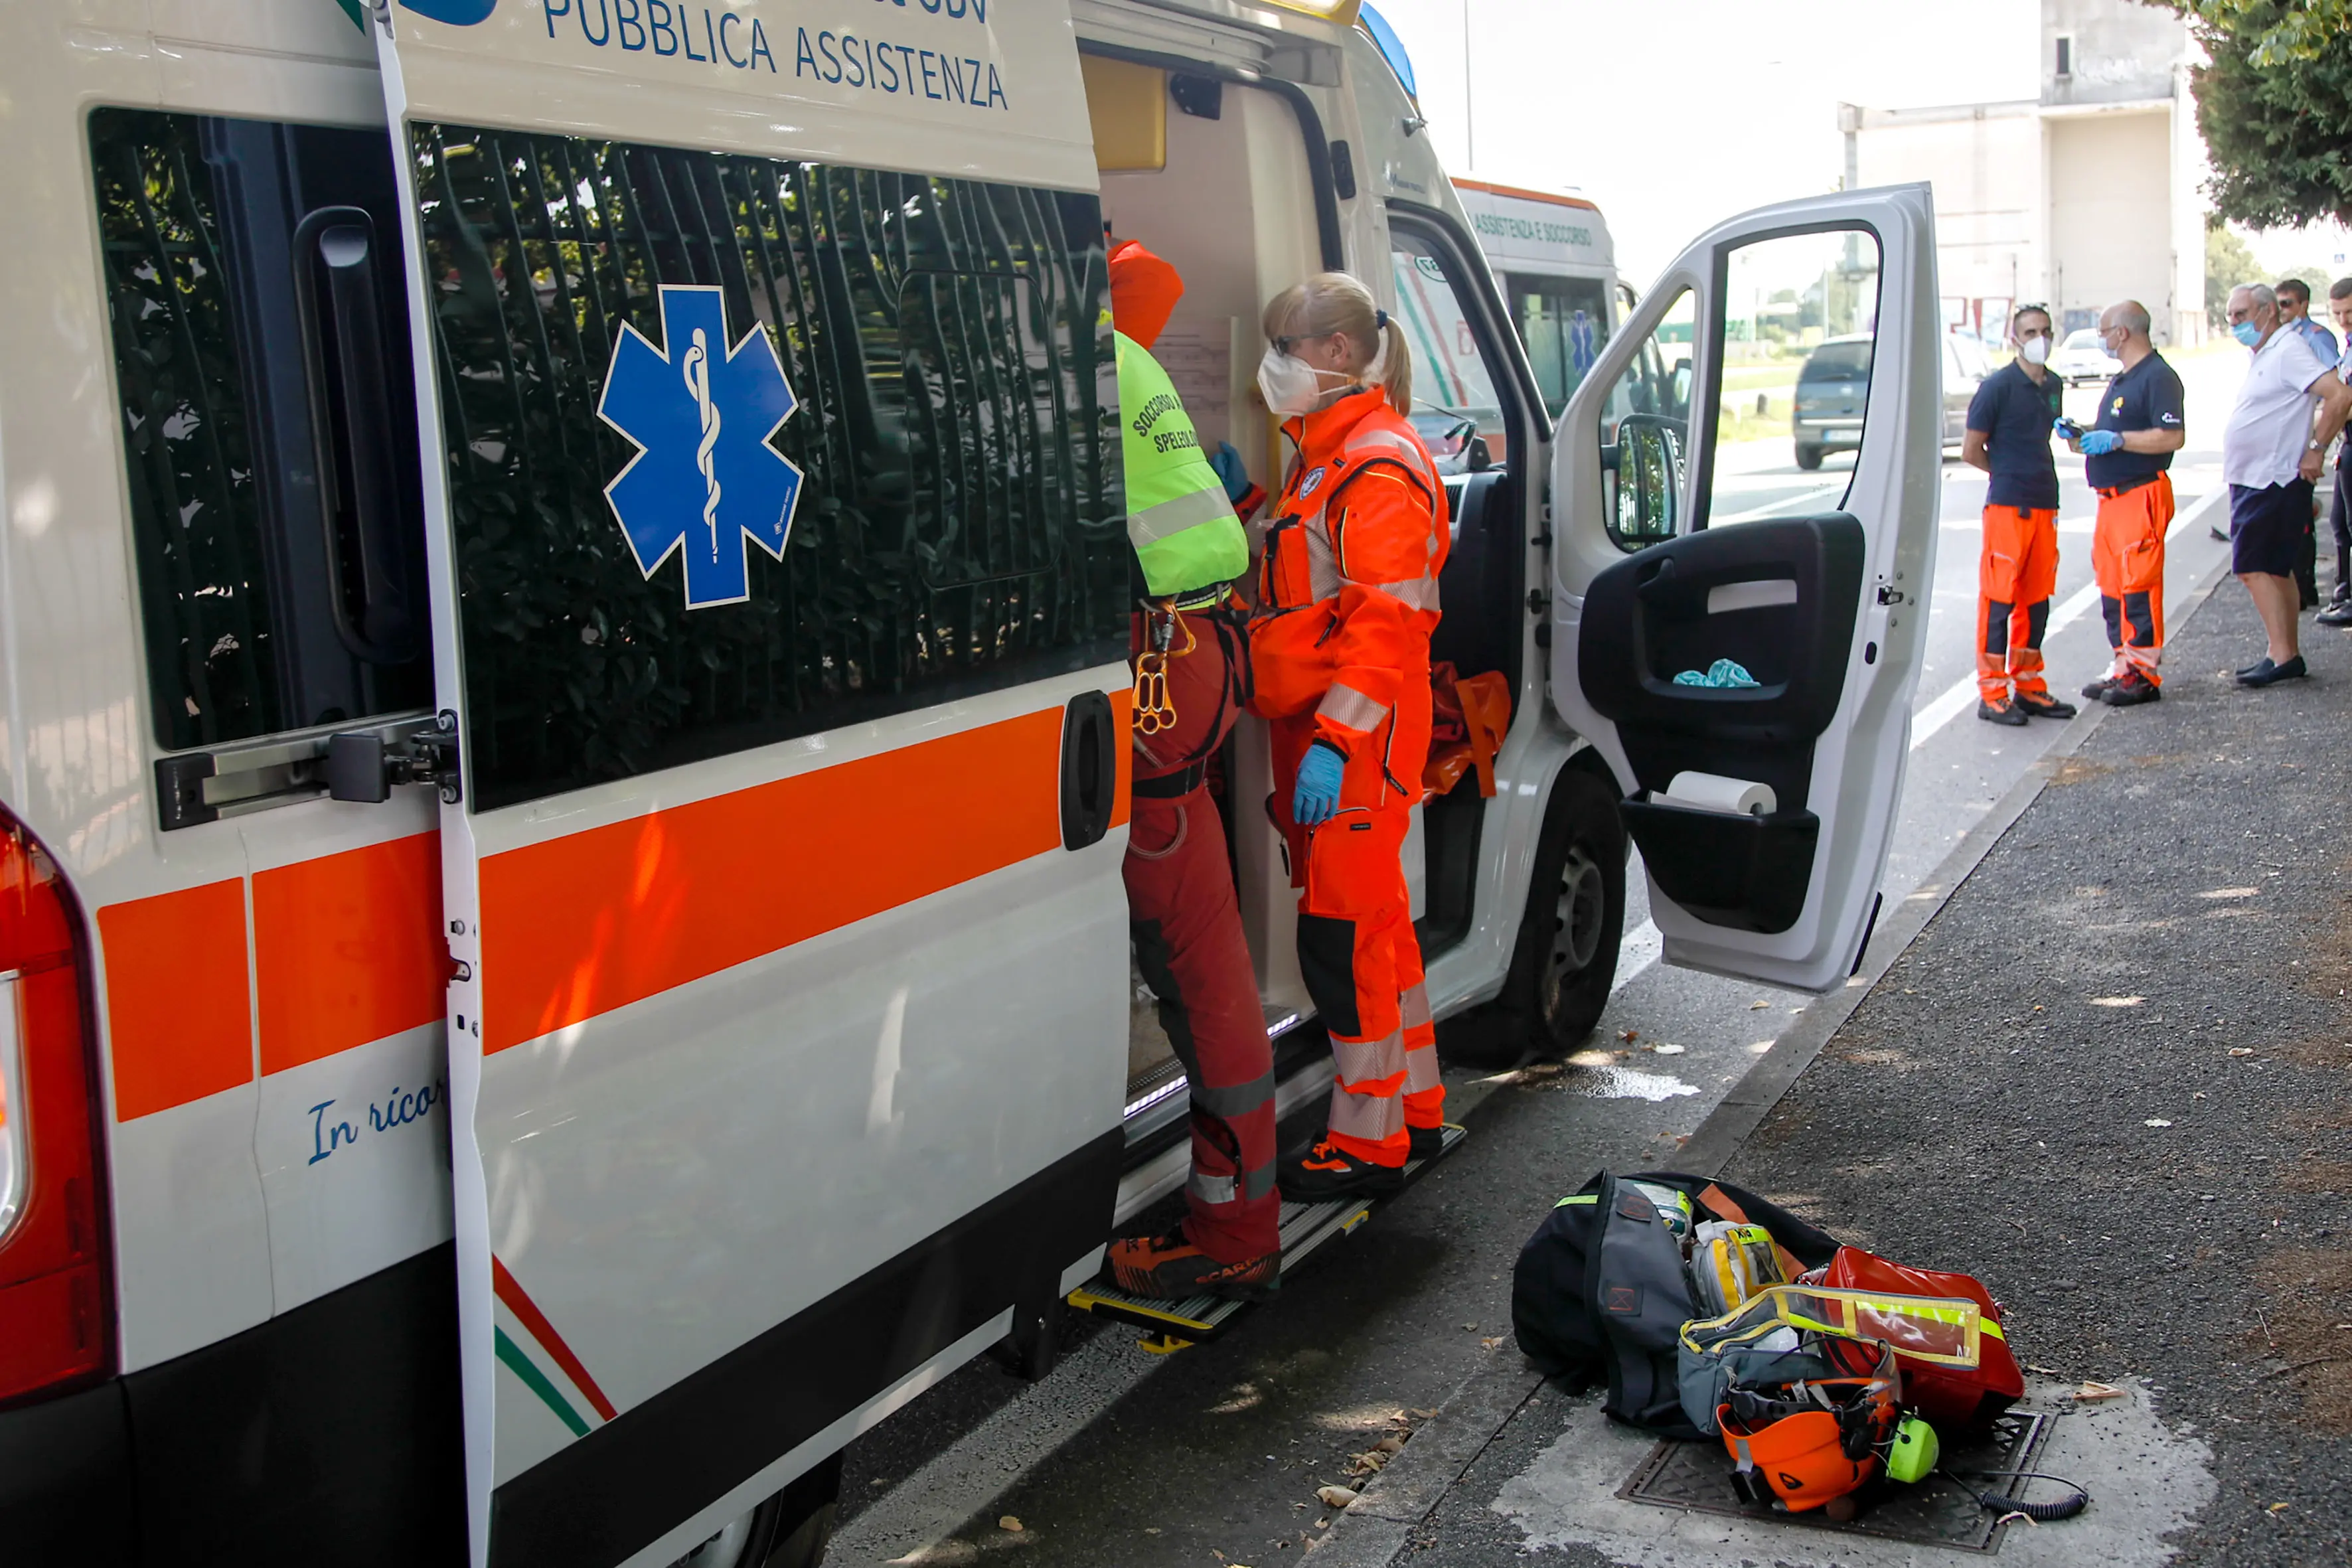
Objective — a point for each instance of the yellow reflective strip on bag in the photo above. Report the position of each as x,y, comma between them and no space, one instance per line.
1938,1329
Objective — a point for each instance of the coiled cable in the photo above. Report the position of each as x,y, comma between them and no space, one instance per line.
2002,1503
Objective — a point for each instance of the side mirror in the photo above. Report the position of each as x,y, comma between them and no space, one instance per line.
1478,460
1649,468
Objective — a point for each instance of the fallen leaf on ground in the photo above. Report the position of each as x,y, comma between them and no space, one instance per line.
2241,1050
1009,1523
2275,1507
1753,1005
1667,1050
1490,1345
1629,1034
2156,1122
1390,1445
2094,1393
2044,1370
1335,1496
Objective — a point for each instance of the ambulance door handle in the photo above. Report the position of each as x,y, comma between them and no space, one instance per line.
352,432
1090,742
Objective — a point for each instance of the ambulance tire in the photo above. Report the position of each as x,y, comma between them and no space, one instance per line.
1564,962
791,1530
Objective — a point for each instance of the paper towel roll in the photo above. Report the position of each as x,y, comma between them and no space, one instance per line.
1712,791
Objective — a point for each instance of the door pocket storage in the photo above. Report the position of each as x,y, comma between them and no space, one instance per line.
1746,872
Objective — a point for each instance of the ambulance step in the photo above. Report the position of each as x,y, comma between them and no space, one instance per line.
1305,1228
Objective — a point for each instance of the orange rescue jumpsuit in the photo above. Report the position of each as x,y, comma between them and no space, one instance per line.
2016,574
1347,600
2127,560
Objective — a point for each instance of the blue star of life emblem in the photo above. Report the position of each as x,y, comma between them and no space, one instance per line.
704,479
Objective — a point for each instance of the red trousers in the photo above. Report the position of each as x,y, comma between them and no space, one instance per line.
2128,559
2015,577
1187,927
1356,944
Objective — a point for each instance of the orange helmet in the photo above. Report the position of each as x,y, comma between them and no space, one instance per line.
1144,290
1807,1451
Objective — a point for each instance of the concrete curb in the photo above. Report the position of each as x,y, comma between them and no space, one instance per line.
1379,1523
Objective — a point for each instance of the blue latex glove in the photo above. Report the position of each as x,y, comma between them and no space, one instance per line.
1228,464
1318,794
2099,443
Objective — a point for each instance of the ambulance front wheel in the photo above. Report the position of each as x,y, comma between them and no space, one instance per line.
791,1530
1565,959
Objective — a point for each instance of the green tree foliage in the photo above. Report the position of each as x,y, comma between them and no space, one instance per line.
2271,107
2227,263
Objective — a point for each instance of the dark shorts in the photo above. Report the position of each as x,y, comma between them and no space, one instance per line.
2267,526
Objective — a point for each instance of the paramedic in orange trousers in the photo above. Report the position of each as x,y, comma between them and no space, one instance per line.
1340,647
2009,429
1182,909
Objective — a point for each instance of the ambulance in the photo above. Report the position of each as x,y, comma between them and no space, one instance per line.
563,600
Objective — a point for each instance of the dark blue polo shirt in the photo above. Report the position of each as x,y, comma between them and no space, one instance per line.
2014,416
2148,397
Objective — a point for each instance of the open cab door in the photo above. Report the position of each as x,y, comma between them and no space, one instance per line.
1690,548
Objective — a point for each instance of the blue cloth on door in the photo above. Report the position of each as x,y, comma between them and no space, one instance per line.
1722,672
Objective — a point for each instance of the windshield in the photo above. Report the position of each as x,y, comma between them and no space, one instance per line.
1838,362
2085,338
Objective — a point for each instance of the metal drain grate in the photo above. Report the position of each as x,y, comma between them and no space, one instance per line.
1696,1477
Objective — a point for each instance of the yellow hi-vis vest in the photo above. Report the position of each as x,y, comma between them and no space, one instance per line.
1182,526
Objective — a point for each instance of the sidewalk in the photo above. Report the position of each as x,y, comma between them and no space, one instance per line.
2043,1090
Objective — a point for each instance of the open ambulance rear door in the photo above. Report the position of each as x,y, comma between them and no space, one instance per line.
1678,545
779,591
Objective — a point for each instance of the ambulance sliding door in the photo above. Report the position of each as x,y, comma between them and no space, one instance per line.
1688,541
778,587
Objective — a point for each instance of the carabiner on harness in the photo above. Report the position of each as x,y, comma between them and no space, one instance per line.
1154,713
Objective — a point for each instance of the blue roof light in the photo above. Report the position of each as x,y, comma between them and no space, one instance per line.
1391,48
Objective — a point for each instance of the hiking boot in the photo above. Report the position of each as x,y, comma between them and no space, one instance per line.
2267,673
2097,690
2041,705
2007,713
1428,1142
2339,614
2131,688
1327,1172
1169,1269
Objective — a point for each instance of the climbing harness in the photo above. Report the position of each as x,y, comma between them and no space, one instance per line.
1153,711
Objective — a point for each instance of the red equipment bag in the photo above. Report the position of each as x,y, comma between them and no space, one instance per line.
1953,1399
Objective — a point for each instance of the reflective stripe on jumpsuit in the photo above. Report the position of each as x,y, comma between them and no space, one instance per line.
1347,598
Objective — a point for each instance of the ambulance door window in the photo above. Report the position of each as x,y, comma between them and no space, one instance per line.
1454,395
950,522
1799,331
260,326
1564,322
1644,437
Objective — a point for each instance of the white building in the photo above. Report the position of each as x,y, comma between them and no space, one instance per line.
2088,194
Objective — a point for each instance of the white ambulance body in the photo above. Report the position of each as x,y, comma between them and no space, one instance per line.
1556,266
563,598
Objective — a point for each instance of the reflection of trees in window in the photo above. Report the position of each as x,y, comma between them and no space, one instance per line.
194,505
960,524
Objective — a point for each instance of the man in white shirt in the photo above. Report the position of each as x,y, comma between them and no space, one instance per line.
2269,457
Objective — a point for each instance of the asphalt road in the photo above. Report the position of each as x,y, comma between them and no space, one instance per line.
2110,1078
1214,1455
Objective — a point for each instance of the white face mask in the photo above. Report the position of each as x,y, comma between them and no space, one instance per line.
1290,385
2036,350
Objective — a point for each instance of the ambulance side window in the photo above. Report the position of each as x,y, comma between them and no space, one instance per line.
1564,322
959,525
275,522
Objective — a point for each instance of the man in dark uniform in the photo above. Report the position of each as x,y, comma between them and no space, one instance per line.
2140,425
2010,422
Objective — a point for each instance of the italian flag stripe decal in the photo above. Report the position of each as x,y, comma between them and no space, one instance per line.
536,1381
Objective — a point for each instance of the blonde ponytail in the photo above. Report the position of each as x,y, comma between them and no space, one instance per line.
1332,302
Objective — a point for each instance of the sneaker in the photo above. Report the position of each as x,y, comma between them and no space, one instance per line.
2267,673
2041,705
1327,1172
2097,689
1169,1269
2007,713
2130,690
2339,614
1428,1142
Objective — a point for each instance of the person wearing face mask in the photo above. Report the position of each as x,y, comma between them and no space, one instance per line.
1189,642
1347,599
2010,422
2129,459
